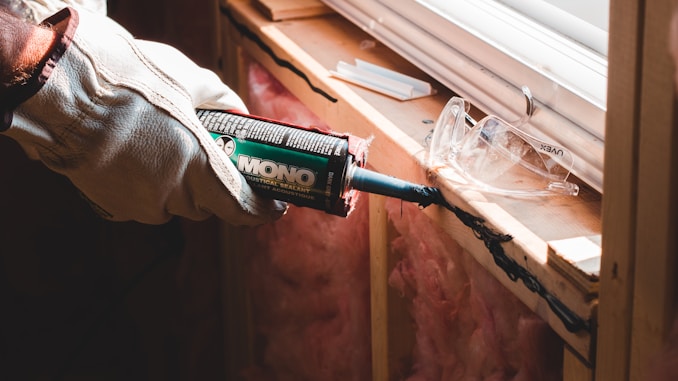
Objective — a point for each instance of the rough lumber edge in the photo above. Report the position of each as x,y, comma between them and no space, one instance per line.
578,259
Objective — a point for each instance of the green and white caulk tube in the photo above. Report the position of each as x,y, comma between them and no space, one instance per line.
301,165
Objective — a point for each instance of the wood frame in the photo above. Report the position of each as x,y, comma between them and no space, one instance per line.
637,294
638,266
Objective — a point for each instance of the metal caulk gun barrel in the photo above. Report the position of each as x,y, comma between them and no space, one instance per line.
303,166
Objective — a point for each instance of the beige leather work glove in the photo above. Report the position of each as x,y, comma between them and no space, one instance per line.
117,117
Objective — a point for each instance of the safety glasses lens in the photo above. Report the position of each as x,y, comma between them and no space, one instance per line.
497,157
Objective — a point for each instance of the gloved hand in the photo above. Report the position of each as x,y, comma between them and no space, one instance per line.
117,117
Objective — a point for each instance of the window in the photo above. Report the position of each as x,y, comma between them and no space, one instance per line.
487,50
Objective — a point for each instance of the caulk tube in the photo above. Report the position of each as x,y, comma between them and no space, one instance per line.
304,166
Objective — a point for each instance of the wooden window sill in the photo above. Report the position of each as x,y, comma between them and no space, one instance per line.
557,239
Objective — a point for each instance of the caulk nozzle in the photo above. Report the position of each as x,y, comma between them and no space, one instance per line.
373,182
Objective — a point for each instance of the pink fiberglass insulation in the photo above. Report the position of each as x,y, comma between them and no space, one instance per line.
308,278
309,283
468,326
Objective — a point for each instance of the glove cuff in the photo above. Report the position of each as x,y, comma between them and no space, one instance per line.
64,23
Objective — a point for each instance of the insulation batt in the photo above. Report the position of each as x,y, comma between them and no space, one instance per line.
308,277
468,326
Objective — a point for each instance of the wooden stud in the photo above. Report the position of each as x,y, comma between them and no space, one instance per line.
655,251
618,238
238,329
573,368
379,288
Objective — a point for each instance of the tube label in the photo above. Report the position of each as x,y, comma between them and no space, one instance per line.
286,162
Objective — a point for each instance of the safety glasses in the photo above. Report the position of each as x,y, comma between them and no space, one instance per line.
494,156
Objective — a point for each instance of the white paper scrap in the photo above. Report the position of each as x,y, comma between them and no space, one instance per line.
382,80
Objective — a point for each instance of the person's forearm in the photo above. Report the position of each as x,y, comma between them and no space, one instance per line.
22,47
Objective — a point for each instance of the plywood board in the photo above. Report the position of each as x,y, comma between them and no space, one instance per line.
277,10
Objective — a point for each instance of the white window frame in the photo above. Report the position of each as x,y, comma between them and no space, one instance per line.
569,92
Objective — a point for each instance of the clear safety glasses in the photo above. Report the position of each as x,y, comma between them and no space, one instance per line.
494,156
